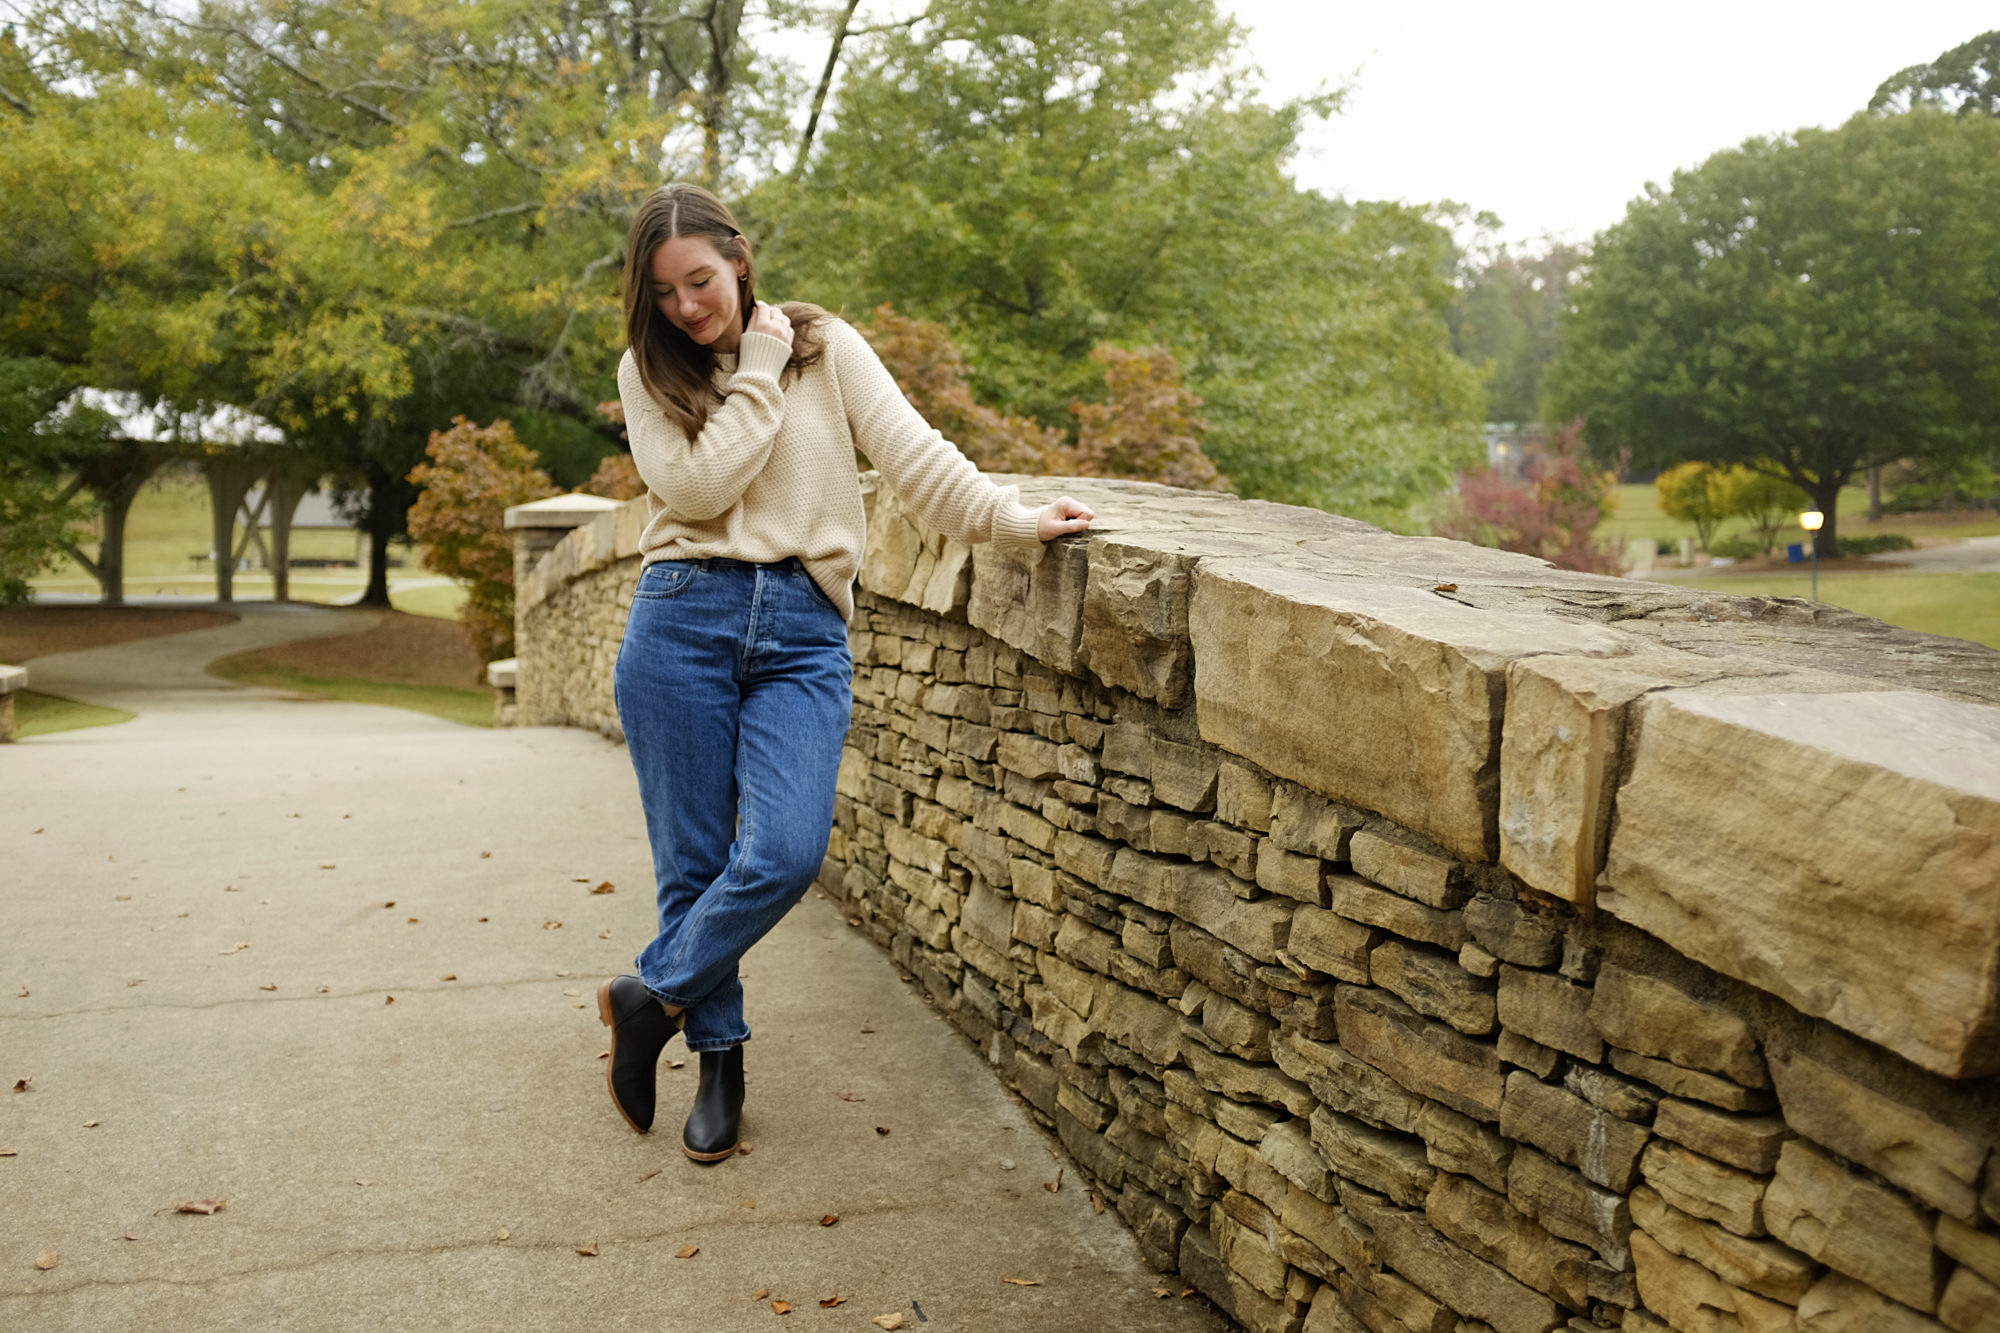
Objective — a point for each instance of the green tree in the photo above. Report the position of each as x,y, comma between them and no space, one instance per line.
1505,323
1047,176
1806,306
1771,504
1696,493
40,452
1965,79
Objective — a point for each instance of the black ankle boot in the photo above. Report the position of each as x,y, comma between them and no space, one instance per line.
640,1030
716,1122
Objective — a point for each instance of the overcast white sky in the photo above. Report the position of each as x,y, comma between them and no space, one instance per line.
1552,114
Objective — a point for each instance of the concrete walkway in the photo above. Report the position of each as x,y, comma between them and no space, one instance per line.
334,965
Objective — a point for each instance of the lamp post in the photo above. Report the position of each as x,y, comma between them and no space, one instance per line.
1812,520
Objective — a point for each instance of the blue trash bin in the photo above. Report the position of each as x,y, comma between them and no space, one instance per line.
1795,552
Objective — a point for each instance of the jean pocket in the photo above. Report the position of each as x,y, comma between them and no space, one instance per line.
819,594
666,578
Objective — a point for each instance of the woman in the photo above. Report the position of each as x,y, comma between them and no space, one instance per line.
734,680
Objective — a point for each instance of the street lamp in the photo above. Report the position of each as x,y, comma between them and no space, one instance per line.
1812,520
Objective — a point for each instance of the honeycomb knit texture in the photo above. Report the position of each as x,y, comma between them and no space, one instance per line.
773,474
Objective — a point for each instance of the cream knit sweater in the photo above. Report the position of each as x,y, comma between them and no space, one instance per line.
773,475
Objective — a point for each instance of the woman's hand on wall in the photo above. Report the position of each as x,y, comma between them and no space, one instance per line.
1061,517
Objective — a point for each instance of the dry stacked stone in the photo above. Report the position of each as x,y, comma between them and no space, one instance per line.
1541,1025
1340,1080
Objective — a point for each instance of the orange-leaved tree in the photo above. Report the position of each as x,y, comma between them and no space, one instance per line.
931,372
474,475
1149,429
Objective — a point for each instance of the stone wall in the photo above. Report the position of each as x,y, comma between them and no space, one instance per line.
1402,935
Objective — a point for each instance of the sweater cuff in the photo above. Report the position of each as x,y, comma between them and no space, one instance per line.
1014,524
761,354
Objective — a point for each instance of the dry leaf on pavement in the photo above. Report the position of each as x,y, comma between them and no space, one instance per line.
832,1301
1022,1281
205,1207
1097,1205
47,1261
687,1251
505,1234
606,887
269,985
745,1147
648,1175
92,1124
588,1251
852,1097
829,1219
551,925
10,1152
676,1064
1055,1188
390,999
781,1307
760,1293
891,1322
881,1129
1163,1292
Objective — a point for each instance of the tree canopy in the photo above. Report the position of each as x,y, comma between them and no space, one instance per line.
1806,306
1965,79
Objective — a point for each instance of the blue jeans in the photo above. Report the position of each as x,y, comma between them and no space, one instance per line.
735,687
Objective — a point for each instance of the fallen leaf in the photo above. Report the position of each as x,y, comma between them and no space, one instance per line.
324,990
1186,1292
760,1293
486,856
389,904
21,994
1096,1204
326,865
604,934
854,921
1022,1281
21,1084
1056,1187
134,1235
832,1301
888,1321
47,1261
551,925
745,1147
505,1234
647,1175
604,1055
449,976
229,888
1445,587
579,879
92,1124
606,887
10,1152
389,999
781,1307
588,1251
687,1251
485,918
364,1183
183,789
571,990
413,921
829,1219
121,897
562,974
269,985
868,1030
749,1203
234,948
676,1064
205,1207
852,1097
1163,1292
881,1129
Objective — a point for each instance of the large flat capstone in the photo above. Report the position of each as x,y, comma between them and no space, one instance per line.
1841,851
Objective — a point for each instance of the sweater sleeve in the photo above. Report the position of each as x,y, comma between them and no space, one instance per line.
925,470
702,478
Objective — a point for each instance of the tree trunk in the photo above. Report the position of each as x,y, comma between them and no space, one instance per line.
111,552
381,526
1875,494
116,478
1826,499
378,570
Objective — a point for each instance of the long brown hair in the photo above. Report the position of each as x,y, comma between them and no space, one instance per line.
678,371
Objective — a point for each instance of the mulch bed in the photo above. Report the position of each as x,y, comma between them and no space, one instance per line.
404,649
36,631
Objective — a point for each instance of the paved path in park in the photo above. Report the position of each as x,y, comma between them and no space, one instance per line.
334,965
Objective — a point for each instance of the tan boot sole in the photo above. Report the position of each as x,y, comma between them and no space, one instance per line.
730,1151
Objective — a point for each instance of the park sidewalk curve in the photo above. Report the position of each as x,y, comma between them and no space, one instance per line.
332,966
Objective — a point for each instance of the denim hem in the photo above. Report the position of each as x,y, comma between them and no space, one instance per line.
717,1043
664,998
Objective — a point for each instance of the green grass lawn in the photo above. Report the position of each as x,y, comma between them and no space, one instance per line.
1639,515
1960,606
467,707
41,714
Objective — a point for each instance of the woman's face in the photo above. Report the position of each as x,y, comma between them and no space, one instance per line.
699,291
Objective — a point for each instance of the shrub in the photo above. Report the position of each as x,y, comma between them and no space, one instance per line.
1875,543
475,474
1552,511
